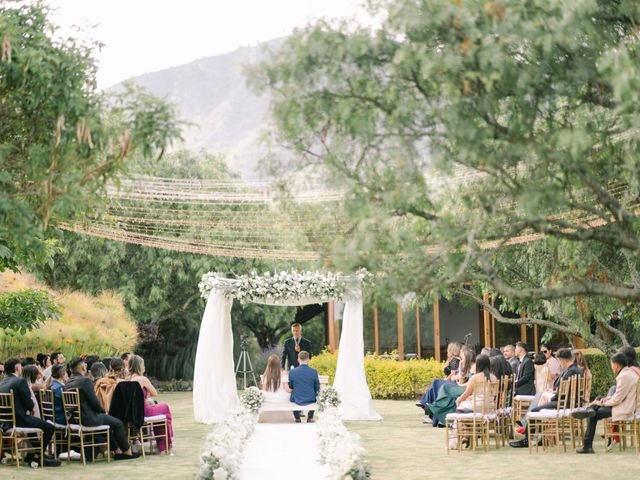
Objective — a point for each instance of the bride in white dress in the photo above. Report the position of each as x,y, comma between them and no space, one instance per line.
273,392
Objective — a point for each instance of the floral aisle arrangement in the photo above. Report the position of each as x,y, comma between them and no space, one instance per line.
340,449
251,399
282,286
328,398
222,453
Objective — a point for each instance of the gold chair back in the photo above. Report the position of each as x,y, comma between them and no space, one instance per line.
47,409
7,409
71,405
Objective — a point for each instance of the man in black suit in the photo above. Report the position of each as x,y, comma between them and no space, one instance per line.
23,405
293,346
569,369
526,378
93,414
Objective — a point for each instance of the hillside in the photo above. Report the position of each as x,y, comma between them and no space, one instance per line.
211,93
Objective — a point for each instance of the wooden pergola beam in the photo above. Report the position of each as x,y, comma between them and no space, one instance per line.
400,332
436,329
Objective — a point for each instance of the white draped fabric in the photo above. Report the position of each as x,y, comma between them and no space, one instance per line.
214,381
350,380
214,385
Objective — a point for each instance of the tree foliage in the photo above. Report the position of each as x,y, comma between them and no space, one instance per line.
486,146
61,141
26,309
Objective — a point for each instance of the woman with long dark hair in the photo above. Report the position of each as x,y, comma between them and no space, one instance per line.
273,392
483,374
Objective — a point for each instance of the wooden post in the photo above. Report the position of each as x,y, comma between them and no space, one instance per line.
436,328
376,334
523,330
493,323
332,329
400,332
418,331
487,324
535,337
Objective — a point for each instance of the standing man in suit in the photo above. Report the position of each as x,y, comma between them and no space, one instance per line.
92,412
293,346
304,385
23,406
526,379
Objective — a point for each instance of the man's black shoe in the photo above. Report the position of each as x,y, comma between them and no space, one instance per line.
298,420
586,413
50,462
585,450
522,443
519,423
310,420
122,456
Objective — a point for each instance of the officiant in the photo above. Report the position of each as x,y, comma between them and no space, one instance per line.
293,346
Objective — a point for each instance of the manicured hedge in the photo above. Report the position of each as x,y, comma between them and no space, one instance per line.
388,379
600,368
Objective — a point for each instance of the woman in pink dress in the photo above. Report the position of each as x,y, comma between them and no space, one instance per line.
136,374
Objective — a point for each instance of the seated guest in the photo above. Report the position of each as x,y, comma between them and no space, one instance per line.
98,370
56,384
510,354
465,402
620,406
552,362
505,366
304,385
151,408
581,362
107,362
105,386
543,376
450,369
90,360
446,401
92,412
125,360
549,400
525,378
55,358
23,404
31,373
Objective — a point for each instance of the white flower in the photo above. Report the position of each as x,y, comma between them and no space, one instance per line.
220,474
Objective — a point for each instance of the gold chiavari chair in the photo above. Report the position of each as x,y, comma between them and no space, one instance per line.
21,439
47,402
550,424
503,409
85,436
478,424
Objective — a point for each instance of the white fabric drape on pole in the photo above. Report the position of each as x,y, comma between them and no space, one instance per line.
214,382
350,380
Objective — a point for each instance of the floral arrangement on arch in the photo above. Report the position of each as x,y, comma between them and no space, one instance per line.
283,285
328,398
251,399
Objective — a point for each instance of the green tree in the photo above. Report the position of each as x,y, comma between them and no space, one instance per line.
61,141
485,145
27,309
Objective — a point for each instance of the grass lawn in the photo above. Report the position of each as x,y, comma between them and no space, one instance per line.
400,447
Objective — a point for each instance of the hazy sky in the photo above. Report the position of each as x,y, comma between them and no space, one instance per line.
146,35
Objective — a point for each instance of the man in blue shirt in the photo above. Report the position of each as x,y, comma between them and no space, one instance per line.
304,384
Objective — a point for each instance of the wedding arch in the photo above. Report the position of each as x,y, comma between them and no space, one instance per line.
214,385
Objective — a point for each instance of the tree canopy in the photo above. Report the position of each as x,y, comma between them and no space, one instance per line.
61,140
487,146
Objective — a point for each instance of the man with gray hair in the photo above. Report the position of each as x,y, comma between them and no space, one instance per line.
510,355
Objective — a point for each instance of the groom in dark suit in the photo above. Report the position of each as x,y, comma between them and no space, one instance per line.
293,346
304,385
526,378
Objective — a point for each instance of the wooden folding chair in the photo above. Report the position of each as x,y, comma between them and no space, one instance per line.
503,409
21,439
550,424
86,436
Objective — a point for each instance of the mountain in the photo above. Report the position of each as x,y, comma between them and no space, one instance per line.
211,93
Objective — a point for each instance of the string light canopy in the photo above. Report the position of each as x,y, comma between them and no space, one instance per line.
250,220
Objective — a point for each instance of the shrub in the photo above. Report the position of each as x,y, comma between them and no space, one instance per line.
600,367
92,325
388,379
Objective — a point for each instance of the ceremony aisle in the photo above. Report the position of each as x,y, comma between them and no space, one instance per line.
276,450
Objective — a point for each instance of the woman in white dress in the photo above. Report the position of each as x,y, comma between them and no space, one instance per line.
273,393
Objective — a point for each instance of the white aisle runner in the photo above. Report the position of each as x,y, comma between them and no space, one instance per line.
275,451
